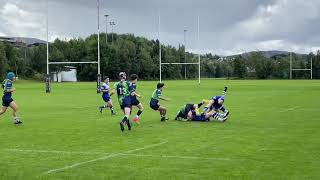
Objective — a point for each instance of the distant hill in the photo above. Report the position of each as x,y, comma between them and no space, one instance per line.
24,40
267,54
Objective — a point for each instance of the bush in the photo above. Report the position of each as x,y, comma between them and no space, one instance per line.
38,76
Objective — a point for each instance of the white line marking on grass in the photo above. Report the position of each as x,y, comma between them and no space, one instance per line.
289,109
101,158
57,152
177,157
124,154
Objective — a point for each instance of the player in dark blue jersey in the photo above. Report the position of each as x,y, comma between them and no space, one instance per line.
215,105
134,95
154,102
105,88
7,100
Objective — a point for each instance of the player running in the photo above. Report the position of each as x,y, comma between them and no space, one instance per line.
134,95
154,102
7,97
123,92
106,97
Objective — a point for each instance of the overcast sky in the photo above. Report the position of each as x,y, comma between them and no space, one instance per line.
226,26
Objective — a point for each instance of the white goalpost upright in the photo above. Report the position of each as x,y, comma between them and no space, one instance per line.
175,63
48,78
300,69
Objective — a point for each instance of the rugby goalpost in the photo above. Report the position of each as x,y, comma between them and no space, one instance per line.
175,63
300,69
48,78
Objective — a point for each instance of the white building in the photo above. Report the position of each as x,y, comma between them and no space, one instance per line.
69,74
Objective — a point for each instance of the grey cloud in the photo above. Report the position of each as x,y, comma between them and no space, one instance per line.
226,27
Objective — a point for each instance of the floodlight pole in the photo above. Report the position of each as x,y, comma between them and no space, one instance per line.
106,15
311,69
199,48
185,54
159,47
290,65
112,23
98,75
48,83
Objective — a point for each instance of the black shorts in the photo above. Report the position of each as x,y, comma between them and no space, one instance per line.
6,101
135,102
154,105
182,115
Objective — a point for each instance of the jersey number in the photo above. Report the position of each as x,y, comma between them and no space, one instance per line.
120,91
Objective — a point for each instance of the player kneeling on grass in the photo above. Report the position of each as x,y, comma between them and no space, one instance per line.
215,105
134,95
123,92
154,102
106,97
7,97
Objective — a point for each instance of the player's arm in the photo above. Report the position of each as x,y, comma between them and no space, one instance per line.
113,90
135,94
164,98
11,90
210,103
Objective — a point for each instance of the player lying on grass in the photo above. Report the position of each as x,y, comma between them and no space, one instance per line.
216,104
106,97
7,100
185,111
190,112
123,92
154,102
134,95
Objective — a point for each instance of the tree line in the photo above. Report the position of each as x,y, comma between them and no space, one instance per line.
139,55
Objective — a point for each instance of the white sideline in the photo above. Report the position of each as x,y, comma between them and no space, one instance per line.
178,157
289,109
57,152
101,158
124,154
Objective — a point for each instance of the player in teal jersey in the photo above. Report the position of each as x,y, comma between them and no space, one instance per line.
154,102
7,100
124,98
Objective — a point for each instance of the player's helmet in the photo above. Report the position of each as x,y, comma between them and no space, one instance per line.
10,75
122,75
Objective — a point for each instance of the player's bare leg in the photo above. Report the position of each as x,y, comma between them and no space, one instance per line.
14,107
110,105
3,110
136,118
163,112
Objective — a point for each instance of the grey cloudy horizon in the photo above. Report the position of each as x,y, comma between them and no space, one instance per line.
226,27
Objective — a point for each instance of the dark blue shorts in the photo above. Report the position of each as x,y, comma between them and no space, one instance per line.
154,105
106,98
6,101
126,102
134,102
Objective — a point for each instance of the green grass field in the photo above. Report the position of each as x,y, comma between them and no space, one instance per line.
273,133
